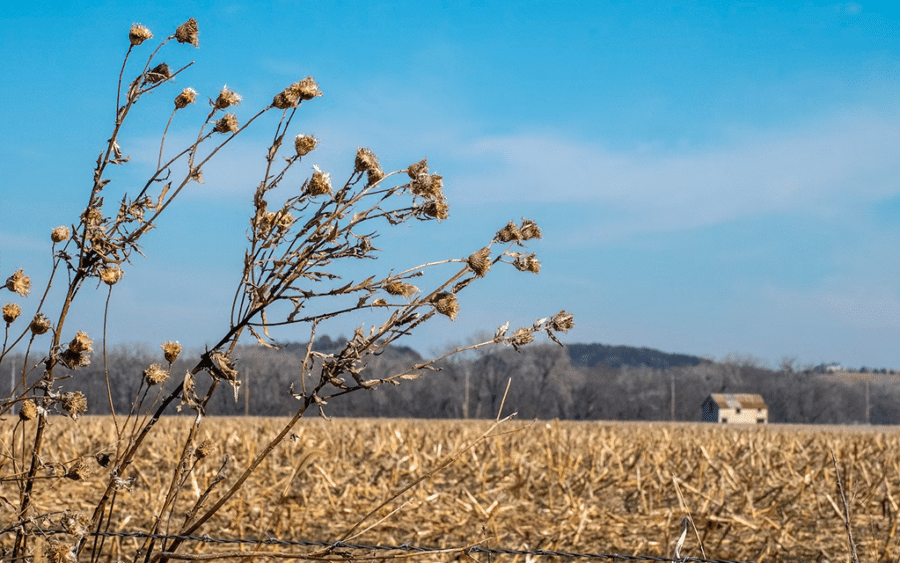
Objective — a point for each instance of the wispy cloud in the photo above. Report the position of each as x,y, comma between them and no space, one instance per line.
816,169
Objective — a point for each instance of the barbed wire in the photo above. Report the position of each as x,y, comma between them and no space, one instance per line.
404,547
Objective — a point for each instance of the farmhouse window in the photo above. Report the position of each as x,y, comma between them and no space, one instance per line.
737,410
760,420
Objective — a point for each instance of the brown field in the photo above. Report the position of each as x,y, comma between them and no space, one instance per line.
755,493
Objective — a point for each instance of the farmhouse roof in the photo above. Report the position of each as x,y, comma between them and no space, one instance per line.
738,400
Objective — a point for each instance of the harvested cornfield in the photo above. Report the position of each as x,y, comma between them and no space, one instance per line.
754,493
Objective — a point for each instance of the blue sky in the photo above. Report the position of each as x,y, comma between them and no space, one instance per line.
710,178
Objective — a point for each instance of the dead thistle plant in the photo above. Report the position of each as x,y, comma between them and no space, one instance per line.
289,277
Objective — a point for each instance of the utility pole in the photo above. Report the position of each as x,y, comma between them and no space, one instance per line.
465,406
672,413
246,394
868,406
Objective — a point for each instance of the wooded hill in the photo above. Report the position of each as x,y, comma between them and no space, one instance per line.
582,381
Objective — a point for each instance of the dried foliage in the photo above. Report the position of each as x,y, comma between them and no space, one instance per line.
754,493
291,275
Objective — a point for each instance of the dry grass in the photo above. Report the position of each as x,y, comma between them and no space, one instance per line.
762,493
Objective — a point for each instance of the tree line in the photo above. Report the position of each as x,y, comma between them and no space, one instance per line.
543,381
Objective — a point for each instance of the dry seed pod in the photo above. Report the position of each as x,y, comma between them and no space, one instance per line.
529,230
60,234
480,261
74,360
138,34
59,552
111,275
437,208
155,374
420,167
527,263
19,282
157,74
304,144
204,449
319,184
40,324
188,33
228,124
81,343
74,403
562,321
306,89
521,337
368,162
509,233
226,99
78,471
187,96
407,290
11,312
171,350
446,304
28,411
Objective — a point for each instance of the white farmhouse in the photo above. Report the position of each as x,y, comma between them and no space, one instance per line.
735,408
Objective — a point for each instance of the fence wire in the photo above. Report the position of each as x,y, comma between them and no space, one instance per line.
473,549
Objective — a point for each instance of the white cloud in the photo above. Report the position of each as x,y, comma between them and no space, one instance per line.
817,169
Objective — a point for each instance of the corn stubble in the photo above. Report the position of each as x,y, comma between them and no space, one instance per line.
289,278
765,493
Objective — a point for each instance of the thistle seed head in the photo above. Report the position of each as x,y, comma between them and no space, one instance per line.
138,34
304,144
407,290
527,263
226,99
74,523
319,184
529,230
11,312
157,74
92,217
74,403
187,96
40,324
306,89
228,124
19,283
509,233
81,343
365,160
446,304
60,234
480,261
368,162
74,360
204,449
28,411
78,471
521,337
61,553
426,186
111,274
562,322
188,33
171,350
155,374
418,168
437,208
